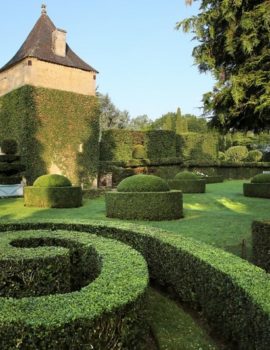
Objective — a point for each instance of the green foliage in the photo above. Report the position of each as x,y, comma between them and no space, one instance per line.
196,124
219,283
254,156
9,158
213,179
9,146
236,153
233,45
166,205
143,183
141,123
49,126
171,121
260,190
261,178
221,155
194,146
52,180
52,197
10,180
11,168
261,244
188,185
138,152
104,313
186,175
160,144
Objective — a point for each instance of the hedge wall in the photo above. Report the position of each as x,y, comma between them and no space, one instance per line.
94,308
195,146
231,293
49,126
261,244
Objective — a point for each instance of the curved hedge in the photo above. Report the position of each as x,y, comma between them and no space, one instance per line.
188,186
52,180
167,205
261,178
103,314
52,197
261,244
232,294
143,183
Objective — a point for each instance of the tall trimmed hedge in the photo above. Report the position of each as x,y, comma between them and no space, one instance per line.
195,146
50,126
261,244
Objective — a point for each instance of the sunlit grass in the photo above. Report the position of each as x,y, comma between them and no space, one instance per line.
234,206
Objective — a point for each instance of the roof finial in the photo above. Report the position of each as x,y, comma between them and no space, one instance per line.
43,9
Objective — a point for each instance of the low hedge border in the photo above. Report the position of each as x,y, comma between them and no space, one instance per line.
232,294
261,244
104,314
259,190
144,205
188,186
52,197
213,179
10,180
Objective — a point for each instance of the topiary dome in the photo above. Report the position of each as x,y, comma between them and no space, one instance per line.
143,183
261,178
187,175
52,180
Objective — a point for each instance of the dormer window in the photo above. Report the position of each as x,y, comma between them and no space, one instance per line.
59,42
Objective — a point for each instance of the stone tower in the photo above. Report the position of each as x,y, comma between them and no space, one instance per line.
46,60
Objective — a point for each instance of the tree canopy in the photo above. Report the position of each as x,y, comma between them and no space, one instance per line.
233,38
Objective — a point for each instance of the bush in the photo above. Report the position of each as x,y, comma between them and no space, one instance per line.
261,244
260,190
9,146
221,155
52,180
254,156
11,168
261,178
167,205
52,197
10,180
232,294
236,153
143,183
187,175
102,313
138,152
188,186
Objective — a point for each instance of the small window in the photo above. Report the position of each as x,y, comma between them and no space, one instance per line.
29,63
94,76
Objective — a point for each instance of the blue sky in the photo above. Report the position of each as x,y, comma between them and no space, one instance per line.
145,65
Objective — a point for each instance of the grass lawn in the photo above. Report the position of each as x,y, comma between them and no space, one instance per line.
221,217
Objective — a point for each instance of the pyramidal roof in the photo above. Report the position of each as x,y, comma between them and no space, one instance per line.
39,45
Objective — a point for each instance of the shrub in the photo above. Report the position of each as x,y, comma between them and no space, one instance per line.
138,152
187,175
236,153
167,205
261,244
102,313
221,155
52,180
254,156
52,197
232,294
261,178
9,146
188,186
143,183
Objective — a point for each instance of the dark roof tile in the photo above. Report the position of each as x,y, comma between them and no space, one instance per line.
39,45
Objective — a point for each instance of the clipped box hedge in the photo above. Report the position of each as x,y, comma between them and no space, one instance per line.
261,244
213,179
103,314
10,180
144,205
260,190
232,294
188,186
52,197
9,158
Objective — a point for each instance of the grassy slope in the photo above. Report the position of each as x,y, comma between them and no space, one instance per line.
222,217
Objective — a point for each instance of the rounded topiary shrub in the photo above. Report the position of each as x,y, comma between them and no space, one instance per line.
144,197
143,183
236,153
254,156
138,152
9,146
52,191
258,187
188,182
52,180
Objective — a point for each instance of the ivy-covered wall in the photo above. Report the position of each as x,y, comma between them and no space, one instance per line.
57,131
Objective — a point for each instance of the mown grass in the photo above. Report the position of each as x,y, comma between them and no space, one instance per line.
221,217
